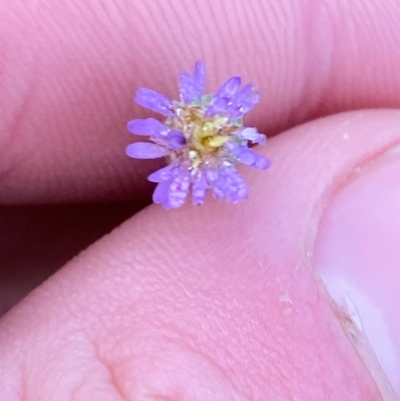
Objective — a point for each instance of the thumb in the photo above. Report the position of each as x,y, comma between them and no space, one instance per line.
223,301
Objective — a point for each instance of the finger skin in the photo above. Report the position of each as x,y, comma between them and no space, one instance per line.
69,70
211,303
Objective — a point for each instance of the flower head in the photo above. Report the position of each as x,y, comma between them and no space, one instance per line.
202,138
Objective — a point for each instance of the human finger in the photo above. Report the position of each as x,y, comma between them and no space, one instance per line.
216,302
69,70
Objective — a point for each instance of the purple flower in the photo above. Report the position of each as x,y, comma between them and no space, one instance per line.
202,138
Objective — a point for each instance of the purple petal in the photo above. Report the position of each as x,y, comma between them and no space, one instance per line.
254,98
173,187
163,174
192,87
262,139
244,101
218,189
176,140
148,126
160,194
248,104
199,77
249,134
154,101
212,174
179,189
245,91
219,185
145,150
224,97
237,187
237,149
229,87
247,157
252,159
199,188
230,185
261,162
220,105
186,88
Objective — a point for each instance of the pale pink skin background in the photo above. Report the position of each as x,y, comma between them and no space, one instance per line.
222,302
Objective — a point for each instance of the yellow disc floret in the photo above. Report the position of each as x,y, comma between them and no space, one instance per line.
205,136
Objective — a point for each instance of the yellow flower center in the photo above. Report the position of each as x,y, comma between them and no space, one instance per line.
205,136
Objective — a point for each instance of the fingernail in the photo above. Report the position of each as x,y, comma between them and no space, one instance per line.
357,256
